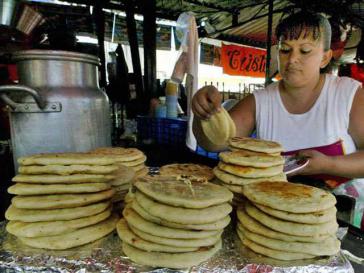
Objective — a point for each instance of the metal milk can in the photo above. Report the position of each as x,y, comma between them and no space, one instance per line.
57,106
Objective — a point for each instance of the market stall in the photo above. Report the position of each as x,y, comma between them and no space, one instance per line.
81,204
172,219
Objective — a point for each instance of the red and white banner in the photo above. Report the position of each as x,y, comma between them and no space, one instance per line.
243,60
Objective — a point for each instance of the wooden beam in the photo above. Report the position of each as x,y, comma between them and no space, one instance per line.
134,48
104,4
165,14
253,18
100,32
252,5
240,40
208,5
235,18
269,43
150,47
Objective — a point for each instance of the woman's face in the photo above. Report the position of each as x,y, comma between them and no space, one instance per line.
300,60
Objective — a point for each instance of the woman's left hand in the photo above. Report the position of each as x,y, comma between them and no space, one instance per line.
319,163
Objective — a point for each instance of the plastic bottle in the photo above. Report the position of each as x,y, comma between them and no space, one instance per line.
161,109
171,98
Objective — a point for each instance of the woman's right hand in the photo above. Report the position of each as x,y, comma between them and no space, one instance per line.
206,102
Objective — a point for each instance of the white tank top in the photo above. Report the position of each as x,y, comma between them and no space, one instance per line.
325,123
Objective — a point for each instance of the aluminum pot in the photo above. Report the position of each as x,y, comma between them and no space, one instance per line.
57,105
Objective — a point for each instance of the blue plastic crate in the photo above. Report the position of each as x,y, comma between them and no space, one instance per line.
161,130
203,152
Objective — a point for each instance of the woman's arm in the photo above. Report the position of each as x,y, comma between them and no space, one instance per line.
243,115
351,165
205,103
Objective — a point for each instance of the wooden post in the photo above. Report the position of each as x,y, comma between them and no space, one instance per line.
134,48
100,32
269,43
150,47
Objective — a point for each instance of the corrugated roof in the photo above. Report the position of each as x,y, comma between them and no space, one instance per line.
243,21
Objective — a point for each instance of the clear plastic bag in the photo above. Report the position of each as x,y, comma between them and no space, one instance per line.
183,27
355,189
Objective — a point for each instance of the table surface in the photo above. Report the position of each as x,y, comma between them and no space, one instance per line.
106,254
355,245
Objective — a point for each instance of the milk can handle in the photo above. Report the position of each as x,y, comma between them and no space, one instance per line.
22,88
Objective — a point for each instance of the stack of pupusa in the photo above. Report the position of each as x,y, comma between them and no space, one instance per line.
131,165
129,157
63,200
249,161
288,221
174,223
196,172
124,177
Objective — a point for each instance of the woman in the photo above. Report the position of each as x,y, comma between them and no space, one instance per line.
307,108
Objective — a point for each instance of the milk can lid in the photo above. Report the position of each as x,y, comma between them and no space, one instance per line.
60,55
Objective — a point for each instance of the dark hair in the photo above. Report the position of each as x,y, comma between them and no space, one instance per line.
305,23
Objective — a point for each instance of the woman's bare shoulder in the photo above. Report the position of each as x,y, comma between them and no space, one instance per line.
243,115
356,125
246,105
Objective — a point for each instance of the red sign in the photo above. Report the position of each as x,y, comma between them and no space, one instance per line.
243,60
